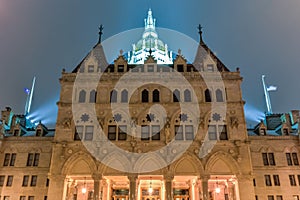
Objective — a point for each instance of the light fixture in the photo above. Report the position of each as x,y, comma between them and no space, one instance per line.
218,189
83,190
150,189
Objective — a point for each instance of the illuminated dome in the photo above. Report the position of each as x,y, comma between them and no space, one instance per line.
141,50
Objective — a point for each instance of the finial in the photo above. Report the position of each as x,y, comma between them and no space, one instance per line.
179,51
150,51
121,52
200,33
100,33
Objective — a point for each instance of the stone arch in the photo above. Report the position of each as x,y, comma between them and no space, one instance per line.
117,161
188,164
149,162
79,159
222,162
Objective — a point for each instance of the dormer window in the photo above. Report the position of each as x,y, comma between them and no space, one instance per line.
180,68
210,67
150,68
16,132
285,131
91,69
38,132
121,68
262,131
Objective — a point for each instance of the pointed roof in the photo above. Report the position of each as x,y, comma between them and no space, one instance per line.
98,53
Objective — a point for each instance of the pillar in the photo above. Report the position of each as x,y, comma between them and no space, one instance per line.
132,187
56,187
204,185
97,178
244,187
168,186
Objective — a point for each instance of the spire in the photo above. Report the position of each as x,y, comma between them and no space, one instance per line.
100,33
150,22
200,33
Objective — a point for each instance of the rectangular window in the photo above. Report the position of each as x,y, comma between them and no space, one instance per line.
89,132
180,68
289,159
33,181
2,178
270,197
295,197
155,132
22,197
6,198
36,159
292,180
9,181
265,159
25,181
254,182
30,197
212,132
256,197
298,179
178,132
210,67
268,180
90,68
271,159
150,68
189,132
45,197
279,197
30,159
222,132
295,158
122,132
12,159
6,159
78,133
276,180
121,68
47,182
145,133
112,131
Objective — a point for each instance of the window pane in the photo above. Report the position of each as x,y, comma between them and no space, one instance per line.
265,159
212,132
187,96
295,158
222,132
9,181
12,159
155,132
178,132
6,159
112,132
270,197
278,197
189,132
271,158
30,159
155,96
25,181
82,95
2,180
292,180
145,133
268,180
276,180
93,96
124,96
90,68
176,96
113,96
33,181
207,95
289,159
36,159
145,96
122,133
78,133
219,95
89,131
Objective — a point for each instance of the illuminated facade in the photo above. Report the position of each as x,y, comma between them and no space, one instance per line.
120,155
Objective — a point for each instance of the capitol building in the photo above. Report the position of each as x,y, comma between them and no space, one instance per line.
151,125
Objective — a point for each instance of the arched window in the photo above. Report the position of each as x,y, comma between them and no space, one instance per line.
124,96
219,95
93,96
145,96
82,95
176,96
113,96
207,95
187,96
155,95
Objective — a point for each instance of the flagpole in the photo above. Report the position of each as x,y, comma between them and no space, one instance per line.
267,97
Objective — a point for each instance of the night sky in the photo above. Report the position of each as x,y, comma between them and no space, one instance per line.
41,37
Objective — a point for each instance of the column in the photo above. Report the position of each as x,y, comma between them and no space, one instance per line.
244,188
56,187
97,178
132,187
168,186
204,181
